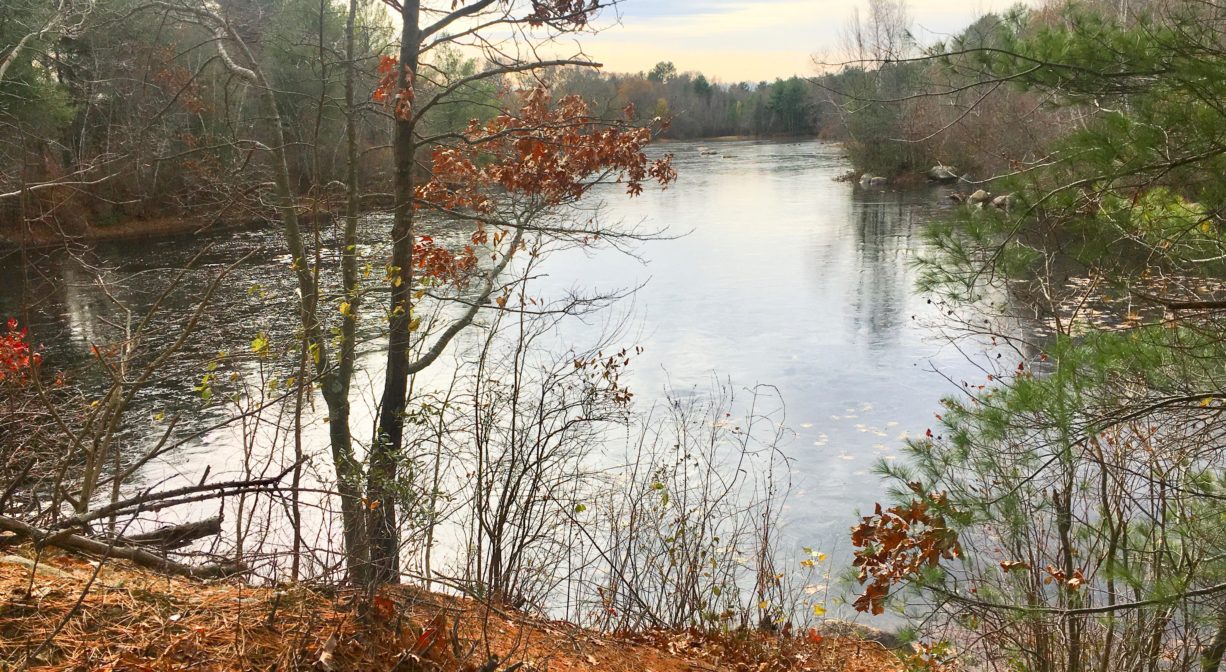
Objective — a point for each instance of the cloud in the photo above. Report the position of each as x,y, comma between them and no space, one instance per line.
736,40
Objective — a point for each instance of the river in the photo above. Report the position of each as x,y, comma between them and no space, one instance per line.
772,272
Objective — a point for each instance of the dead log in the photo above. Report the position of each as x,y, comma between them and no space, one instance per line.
75,542
171,537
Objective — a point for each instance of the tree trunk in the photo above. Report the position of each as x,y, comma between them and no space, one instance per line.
387,448
334,386
1211,657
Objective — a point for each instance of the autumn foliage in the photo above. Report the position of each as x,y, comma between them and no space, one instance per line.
570,14
16,356
439,263
400,101
898,543
550,152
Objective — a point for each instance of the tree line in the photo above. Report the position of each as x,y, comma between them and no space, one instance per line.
697,107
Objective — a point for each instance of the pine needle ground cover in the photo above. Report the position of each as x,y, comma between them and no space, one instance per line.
68,615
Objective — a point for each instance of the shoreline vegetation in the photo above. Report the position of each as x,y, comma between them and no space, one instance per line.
43,235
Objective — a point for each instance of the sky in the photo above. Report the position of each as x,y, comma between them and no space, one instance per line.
753,40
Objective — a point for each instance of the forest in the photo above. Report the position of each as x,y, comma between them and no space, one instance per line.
117,117
293,374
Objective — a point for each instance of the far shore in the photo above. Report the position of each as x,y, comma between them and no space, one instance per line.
44,236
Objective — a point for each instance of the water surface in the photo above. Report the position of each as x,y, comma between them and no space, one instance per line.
775,274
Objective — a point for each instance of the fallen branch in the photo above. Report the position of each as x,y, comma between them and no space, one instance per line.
156,501
140,556
171,537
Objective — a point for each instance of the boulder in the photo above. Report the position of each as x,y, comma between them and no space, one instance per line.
979,197
939,173
878,182
866,178
844,629
1003,201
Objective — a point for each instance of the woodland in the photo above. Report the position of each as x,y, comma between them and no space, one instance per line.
459,509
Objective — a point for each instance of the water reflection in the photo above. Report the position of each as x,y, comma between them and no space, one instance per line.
885,226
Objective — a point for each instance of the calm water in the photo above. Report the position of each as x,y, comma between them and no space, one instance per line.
789,278
780,276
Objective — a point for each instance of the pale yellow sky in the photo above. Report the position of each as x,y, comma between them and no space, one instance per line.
753,40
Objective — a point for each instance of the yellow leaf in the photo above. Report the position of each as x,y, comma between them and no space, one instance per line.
763,605
819,610
821,557
1206,401
414,324
807,562
345,308
259,344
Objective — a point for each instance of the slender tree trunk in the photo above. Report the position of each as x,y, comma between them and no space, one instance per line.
335,388
1211,657
53,21
388,445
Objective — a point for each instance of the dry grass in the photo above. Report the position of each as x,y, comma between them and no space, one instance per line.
134,620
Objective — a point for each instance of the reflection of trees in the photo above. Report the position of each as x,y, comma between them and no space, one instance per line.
12,284
54,294
884,225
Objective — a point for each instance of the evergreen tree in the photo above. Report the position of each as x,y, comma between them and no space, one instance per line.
1084,479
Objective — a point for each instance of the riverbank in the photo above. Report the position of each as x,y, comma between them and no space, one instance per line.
69,614
43,236
83,231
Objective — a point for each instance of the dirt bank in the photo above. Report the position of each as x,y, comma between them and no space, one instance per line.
131,619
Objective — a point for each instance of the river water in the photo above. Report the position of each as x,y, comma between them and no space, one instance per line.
772,273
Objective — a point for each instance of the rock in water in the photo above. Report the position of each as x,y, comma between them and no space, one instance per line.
878,182
979,197
939,173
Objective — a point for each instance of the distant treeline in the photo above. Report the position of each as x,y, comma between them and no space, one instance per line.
698,107
908,106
